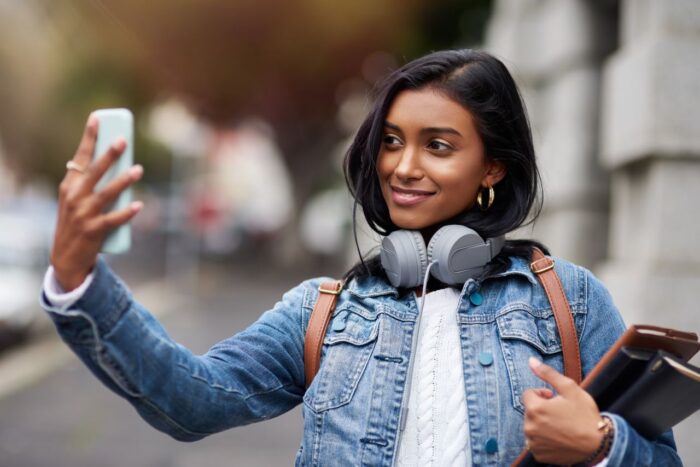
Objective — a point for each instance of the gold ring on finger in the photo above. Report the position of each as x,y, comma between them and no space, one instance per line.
72,165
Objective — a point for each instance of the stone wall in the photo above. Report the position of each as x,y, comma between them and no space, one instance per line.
613,90
555,49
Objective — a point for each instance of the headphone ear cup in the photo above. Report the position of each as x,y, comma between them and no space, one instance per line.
460,252
404,258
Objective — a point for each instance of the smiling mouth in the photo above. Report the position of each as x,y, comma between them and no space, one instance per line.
405,197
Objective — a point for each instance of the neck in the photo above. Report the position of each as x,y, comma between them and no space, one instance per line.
428,232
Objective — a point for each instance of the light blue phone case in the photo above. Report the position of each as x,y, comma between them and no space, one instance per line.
113,124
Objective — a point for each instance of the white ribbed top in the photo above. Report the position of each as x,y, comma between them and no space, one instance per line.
436,432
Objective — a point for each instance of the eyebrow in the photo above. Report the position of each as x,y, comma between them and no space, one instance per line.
432,129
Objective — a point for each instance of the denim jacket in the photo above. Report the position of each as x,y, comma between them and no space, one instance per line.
352,410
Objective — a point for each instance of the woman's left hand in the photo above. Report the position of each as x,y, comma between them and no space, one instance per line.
561,428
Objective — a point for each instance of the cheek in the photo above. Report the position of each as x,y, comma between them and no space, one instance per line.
462,194
461,183
464,177
384,167
383,173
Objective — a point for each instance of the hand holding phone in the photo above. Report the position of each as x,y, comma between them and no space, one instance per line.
94,197
113,124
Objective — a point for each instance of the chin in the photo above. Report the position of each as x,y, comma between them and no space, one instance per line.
411,224
421,224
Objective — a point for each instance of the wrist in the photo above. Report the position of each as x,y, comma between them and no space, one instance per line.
607,429
69,281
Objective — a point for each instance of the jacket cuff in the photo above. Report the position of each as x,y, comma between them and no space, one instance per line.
626,448
56,296
105,299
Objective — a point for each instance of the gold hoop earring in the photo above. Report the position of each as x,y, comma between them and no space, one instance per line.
480,200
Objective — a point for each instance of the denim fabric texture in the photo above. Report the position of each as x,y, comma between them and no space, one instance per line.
352,410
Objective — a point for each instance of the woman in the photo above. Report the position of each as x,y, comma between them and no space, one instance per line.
447,144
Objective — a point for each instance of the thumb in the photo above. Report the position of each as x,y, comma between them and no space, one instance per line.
562,384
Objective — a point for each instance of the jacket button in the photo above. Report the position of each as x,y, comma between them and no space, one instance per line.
339,321
476,298
491,446
486,358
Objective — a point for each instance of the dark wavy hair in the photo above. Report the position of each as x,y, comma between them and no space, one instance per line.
483,86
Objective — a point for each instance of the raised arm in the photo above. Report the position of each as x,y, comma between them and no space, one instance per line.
254,375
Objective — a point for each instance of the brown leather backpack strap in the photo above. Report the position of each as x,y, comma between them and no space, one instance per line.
543,267
318,323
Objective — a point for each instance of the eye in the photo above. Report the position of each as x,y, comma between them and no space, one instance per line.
439,146
391,141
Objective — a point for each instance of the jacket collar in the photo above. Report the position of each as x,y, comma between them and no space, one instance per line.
519,267
375,286
371,286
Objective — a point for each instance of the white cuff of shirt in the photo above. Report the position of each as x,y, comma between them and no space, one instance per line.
58,297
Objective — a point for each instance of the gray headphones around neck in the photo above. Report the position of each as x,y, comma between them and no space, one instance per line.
459,252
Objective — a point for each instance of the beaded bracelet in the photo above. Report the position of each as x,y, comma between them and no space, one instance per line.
606,426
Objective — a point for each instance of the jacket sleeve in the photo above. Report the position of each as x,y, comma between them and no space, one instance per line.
254,375
603,326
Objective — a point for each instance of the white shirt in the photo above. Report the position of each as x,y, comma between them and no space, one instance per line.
437,432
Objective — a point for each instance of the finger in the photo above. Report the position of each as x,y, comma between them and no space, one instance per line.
99,166
110,192
544,393
562,384
87,144
530,397
113,219
82,156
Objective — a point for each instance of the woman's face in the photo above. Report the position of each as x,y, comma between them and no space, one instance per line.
431,164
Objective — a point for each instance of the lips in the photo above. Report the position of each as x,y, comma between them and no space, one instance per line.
409,197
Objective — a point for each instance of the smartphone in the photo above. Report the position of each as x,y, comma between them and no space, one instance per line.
115,123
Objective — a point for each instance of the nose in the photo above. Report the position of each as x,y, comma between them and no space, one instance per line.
408,165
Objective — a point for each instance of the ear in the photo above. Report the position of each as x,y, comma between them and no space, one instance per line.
495,171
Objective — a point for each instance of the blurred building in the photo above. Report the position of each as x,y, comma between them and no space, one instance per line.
7,179
248,184
611,86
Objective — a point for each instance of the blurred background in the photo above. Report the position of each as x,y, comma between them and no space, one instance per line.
243,111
